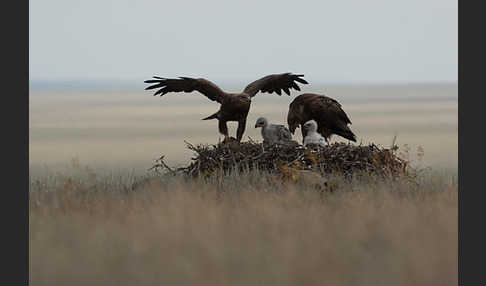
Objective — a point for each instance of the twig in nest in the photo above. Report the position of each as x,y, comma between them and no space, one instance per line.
162,164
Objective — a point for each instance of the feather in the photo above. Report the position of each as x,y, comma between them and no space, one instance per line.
286,90
275,82
301,80
151,80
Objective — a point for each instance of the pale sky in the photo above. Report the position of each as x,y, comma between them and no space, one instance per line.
345,41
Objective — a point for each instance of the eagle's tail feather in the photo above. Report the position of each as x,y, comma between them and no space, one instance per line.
348,134
213,116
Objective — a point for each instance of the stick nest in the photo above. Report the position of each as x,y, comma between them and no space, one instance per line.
347,159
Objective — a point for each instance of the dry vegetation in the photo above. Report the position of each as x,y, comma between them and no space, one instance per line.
245,228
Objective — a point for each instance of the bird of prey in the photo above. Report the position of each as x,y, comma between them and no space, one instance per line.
273,133
327,112
234,106
312,137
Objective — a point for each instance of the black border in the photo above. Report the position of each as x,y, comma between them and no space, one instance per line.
471,237
15,119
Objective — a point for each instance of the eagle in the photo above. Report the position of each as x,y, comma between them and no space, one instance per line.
327,112
312,137
234,106
273,133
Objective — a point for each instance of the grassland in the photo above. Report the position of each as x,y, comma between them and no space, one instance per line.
246,229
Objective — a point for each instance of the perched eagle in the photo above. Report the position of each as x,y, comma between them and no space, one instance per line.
273,133
312,137
234,106
327,112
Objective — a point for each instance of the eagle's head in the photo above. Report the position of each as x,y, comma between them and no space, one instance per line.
310,125
293,126
294,118
261,122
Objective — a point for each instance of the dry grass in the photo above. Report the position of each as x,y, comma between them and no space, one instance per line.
242,230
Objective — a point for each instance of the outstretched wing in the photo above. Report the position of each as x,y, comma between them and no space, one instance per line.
186,84
275,83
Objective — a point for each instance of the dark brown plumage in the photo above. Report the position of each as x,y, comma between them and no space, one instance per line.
327,112
234,106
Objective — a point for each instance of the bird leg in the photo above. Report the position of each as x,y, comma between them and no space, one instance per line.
223,129
241,129
303,132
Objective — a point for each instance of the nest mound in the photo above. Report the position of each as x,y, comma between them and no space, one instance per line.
342,158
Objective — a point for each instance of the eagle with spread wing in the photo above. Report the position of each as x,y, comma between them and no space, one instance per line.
327,112
234,106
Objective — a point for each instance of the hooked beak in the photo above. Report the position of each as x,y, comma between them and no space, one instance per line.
292,128
256,125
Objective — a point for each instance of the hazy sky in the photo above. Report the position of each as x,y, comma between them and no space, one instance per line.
345,41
